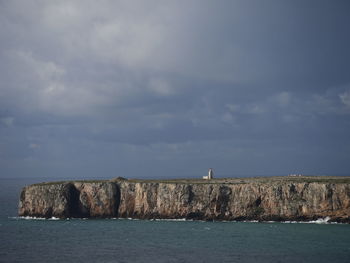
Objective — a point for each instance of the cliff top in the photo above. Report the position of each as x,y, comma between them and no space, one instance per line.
243,180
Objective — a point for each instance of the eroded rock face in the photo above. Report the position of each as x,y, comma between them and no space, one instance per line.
70,200
301,201
46,200
206,201
97,200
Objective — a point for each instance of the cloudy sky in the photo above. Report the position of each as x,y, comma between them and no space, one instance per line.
170,88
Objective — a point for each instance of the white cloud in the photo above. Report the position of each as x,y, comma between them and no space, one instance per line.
34,146
152,35
160,87
45,86
255,109
62,14
283,99
122,33
227,117
290,118
8,121
345,98
233,107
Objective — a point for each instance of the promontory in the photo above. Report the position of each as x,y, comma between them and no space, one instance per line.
284,198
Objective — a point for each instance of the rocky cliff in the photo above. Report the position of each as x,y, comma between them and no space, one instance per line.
275,198
73,199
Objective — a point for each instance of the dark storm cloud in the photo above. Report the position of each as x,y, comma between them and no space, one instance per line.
249,87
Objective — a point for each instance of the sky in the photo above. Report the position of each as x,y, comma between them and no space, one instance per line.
166,89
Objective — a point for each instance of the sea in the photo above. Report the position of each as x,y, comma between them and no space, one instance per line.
127,240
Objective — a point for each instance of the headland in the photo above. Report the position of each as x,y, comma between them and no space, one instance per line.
284,198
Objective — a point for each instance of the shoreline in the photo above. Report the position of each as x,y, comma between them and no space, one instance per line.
318,221
226,199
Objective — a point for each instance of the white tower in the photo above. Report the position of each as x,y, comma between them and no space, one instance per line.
210,174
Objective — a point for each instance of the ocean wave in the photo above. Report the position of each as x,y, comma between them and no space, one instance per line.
325,220
321,220
34,218
172,219
153,219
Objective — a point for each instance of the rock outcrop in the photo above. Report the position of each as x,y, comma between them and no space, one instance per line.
237,199
78,199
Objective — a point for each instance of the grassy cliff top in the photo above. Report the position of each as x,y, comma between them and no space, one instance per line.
246,180
243,180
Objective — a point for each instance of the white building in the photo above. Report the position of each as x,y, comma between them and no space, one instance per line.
210,174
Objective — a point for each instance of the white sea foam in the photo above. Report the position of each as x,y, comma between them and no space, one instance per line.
250,221
321,220
33,218
27,218
324,220
172,219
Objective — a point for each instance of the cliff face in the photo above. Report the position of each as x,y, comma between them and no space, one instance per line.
46,200
290,201
70,200
207,201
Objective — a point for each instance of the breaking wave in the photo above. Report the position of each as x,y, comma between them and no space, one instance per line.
325,220
34,218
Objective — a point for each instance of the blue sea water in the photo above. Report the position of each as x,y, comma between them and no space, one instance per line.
122,240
